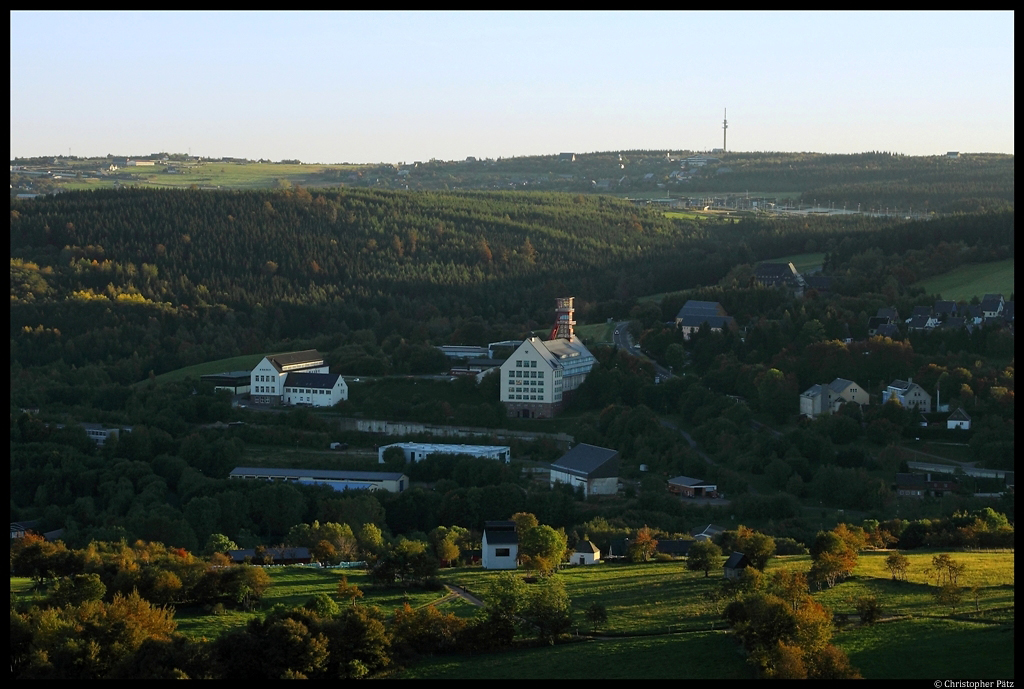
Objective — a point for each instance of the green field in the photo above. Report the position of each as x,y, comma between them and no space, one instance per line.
293,586
658,627
973,280
598,332
803,262
227,175
238,363
704,655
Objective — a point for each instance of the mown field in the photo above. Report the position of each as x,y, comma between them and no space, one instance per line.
703,655
225,175
658,626
974,280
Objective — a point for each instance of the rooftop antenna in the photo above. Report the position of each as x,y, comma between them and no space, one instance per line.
725,125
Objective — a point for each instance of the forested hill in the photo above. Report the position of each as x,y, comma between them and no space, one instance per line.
153,280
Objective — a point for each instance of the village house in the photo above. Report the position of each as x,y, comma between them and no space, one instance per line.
706,533
735,565
777,275
909,394
586,553
958,419
696,313
826,399
499,545
924,485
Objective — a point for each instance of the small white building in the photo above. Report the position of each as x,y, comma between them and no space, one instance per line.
586,553
314,389
958,419
499,545
417,452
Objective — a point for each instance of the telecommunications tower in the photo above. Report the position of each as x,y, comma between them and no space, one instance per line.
725,125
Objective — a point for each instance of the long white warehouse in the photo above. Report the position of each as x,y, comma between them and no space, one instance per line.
416,452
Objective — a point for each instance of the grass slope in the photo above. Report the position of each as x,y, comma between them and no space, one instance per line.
705,655
973,280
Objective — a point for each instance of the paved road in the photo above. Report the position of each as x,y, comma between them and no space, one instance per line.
624,341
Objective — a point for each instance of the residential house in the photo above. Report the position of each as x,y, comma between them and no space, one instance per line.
992,306
586,553
922,322
706,533
595,469
944,308
692,487
924,485
884,317
825,399
499,545
21,529
696,313
735,565
959,419
909,394
777,275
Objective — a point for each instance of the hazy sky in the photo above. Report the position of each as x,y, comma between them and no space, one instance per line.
405,86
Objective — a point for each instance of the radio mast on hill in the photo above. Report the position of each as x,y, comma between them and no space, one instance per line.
725,125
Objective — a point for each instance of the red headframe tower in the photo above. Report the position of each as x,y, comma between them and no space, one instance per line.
563,319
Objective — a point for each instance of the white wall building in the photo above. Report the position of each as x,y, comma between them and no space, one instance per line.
499,545
539,375
417,452
315,389
391,481
586,553
267,380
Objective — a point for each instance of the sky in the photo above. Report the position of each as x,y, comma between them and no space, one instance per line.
368,87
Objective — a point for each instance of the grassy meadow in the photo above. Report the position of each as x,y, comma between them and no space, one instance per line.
226,175
659,627
703,655
972,280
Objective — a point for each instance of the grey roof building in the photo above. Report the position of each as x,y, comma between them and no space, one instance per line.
594,468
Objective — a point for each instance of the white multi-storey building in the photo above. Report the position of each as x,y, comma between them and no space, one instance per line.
540,375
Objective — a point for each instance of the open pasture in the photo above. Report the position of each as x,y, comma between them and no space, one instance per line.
972,280
703,655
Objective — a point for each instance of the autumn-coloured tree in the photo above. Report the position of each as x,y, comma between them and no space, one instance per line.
897,563
349,591
643,546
